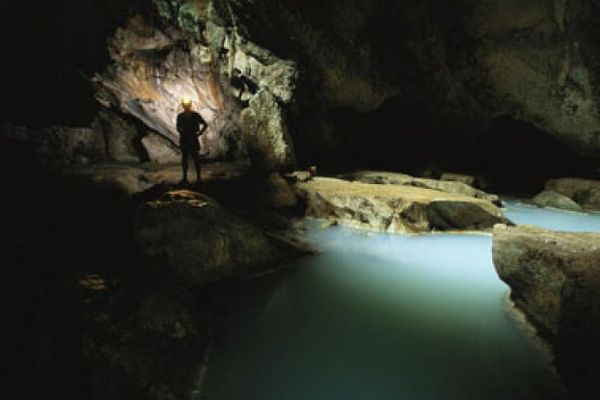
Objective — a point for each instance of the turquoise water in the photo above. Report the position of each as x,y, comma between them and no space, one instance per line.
378,316
521,213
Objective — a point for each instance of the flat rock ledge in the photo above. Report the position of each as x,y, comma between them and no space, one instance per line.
396,208
201,242
555,280
450,183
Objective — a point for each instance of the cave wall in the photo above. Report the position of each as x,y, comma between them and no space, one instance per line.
175,49
368,82
463,63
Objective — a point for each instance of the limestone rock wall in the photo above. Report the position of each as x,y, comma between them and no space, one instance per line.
175,49
283,80
464,62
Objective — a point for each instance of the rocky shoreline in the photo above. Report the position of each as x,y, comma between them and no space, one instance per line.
396,208
554,280
142,311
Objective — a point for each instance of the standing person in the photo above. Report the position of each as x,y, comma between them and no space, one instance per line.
190,126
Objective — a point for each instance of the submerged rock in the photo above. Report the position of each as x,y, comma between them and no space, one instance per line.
555,279
394,208
196,239
549,198
447,186
585,192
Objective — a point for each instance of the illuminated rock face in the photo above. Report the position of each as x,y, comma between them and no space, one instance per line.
152,72
270,75
396,208
186,52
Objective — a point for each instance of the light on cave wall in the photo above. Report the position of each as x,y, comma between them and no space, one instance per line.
160,106
153,71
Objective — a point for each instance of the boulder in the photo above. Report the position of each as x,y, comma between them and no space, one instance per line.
160,150
549,198
585,192
447,186
395,208
198,241
555,279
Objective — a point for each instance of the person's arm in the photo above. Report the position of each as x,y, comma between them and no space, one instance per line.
203,126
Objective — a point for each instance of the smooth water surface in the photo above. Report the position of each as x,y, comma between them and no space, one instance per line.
379,317
521,213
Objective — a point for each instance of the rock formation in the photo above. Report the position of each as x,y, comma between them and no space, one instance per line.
394,208
555,279
584,192
550,198
447,186
338,83
277,76
159,150
197,241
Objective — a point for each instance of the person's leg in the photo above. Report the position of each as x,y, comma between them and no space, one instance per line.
196,158
184,166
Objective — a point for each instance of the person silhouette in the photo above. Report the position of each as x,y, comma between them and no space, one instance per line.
190,126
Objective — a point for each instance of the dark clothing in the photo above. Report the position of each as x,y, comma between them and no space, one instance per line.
185,164
188,126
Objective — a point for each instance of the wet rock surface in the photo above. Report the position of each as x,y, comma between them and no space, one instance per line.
394,208
555,279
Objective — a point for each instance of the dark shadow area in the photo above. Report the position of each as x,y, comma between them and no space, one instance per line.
519,158
512,156
55,229
59,228
53,48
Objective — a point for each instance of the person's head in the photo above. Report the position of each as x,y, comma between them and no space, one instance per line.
186,103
